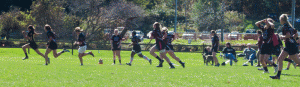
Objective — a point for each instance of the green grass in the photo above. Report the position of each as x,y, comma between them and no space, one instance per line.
177,42
66,71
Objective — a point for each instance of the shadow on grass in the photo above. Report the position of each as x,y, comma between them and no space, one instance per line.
291,75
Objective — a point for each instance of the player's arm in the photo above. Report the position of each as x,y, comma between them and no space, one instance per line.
120,44
258,23
269,24
111,42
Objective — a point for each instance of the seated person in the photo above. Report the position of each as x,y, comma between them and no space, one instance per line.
229,52
207,51
250,54
207,56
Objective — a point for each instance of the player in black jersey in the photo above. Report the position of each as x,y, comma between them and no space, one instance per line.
115,41
170,50
291,48
31,44
136,49
215,46
52,45
159,45
82,44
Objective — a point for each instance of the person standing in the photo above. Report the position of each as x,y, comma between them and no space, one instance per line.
215,46
115,41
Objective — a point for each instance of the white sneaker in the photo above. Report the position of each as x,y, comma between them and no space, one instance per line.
266,71
276,69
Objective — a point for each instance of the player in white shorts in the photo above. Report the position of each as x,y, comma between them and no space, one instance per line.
82,45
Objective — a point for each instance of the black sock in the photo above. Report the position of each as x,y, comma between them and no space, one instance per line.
265,68
114,61
158,58
120,61
26,55
289,60
278,74
180,62
274,65
170,64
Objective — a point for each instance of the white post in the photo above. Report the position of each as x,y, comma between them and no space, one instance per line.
175,25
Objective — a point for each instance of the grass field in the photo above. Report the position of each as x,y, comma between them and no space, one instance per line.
66,71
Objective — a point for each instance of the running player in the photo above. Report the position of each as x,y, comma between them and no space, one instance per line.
82,44
215,46
31,44
136,49
266,49
259,44
291,49
52,45
159,45
168,40
116,45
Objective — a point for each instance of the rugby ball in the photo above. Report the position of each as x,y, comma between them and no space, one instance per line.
100,61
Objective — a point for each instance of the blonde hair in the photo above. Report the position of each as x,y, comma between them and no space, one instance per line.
284,18
77,29
165,28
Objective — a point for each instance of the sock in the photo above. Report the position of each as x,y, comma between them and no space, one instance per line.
265,68
26,55
131,59
289,60
88,53
180,62
158,58
120,61
170,64
146,58
278,74
274,65
114,61
251,63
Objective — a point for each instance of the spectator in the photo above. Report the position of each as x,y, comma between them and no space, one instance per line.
229,52
250,54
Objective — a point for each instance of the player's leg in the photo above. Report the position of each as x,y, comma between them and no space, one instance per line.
152,52
24,49
119,56
163,55
131,58
114,56
172,54
282,56
144,57
80,55
38,52
258,58
55,54
215,59
48,50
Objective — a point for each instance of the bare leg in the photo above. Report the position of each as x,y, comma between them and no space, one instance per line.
153,50
163,55
114,56
119,56
282,56
24,49
55,54
171,53
80,55
38,52
215,58
262,60
46,54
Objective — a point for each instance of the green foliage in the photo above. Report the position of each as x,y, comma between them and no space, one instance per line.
234,20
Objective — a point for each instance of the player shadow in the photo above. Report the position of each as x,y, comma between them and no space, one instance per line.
291,75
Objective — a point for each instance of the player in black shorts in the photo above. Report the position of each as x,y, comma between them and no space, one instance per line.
291,49
168,40
31,44
115,41
82,45
159,45
215,46
266,49
52,45
136,49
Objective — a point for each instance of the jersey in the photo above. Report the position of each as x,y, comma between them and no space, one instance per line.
116,39
157,34
81,38
229,50
267,34
288,29
51,34
30,35
135,40
168,39
215,41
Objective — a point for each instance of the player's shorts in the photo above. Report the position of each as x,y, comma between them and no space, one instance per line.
291,48
82,49
266,48
214,49
137,49
33,45
276,51
115,47
52,45
160,45
169,47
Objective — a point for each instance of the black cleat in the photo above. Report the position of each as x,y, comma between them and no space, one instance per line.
46,64
128,64
275,77
172,67
25,58
91,53
48,61
150,61
160,64
183,64
217,65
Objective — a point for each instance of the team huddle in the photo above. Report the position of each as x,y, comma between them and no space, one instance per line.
268,43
